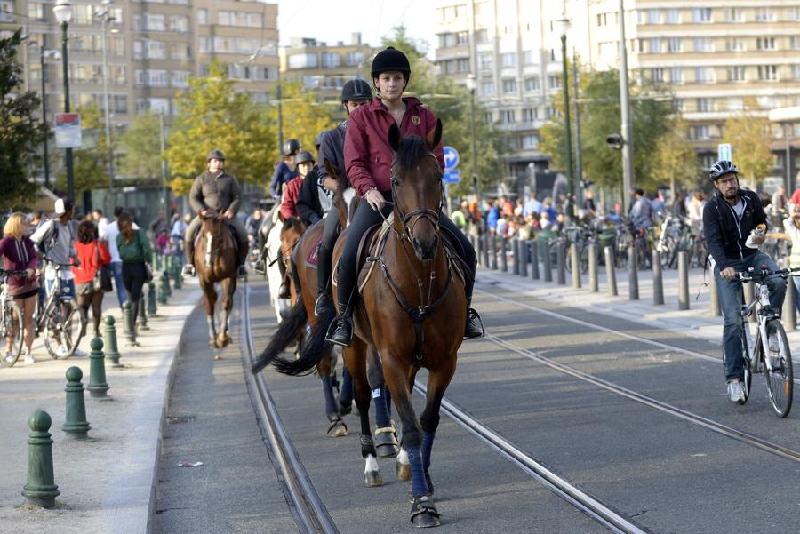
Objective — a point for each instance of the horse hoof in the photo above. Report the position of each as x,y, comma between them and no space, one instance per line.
423,512
373,479
337,429
402,471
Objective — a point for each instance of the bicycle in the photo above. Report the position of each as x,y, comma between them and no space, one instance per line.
769,351
60,319
10,321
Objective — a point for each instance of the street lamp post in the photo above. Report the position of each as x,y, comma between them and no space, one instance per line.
471,86
63,13
105,18
44,53
625,112
563,26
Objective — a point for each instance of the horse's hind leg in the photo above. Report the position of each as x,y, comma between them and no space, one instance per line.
385,433
355,358
325,370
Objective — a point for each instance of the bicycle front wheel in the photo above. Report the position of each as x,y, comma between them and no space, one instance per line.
62,329
13,333
778,372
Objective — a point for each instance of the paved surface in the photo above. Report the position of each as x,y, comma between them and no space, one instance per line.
105,481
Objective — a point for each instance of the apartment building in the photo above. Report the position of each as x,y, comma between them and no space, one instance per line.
325,68
153,47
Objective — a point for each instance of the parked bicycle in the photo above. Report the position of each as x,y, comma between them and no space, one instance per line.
674,235
10,321
59,318
768,352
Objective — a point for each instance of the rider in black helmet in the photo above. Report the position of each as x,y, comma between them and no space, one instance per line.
355,94
285,171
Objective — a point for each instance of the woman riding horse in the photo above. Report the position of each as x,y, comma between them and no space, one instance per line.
368,158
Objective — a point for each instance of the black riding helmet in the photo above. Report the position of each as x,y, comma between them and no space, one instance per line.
291,147
391,59
356,90
215,154
305,157
720,169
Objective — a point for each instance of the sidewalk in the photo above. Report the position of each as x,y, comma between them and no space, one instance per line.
696,321
106,480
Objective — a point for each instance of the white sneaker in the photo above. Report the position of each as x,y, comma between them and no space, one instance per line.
62,350
29,358
736,391
80,353
8,358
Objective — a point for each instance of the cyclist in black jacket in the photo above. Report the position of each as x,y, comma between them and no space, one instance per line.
729,217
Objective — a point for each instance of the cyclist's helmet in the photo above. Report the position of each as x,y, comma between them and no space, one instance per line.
391,59
291,147
720,169
356,90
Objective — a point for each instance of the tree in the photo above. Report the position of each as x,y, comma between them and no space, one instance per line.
750,137
141,146
212,115
303,116
90,161
21,132
600,116
675,158
451,103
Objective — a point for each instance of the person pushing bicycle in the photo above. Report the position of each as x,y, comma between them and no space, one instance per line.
729,218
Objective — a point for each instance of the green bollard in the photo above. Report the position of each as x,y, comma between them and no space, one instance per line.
75,422
167,283
162,291
40,489
151,299
110,334
129,329
98,387
142,317
176,274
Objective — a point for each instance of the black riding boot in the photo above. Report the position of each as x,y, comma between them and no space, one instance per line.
324,304
341,331
474,327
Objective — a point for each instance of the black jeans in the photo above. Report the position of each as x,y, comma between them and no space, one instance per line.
364,218
133,276
330,231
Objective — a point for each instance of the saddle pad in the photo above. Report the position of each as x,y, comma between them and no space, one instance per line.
312,258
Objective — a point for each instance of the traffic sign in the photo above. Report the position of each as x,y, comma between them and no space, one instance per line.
724,152
451,176
451,158
68,130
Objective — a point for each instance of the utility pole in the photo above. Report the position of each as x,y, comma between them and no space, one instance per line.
45,156
165,200
578,164
628,178
105,18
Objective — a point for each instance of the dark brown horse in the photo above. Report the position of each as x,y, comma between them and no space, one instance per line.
215,259
412,313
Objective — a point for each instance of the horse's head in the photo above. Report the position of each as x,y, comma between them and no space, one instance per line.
339,200
292,231
212,222
417,189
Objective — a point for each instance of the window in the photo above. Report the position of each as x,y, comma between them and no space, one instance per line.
735,104
463,65
180,51
331,60
529,57
530,142
733,14
796,72
202,16
703,105
35,11
554,81
655,45
794,13
154,21
767,72
674,44
508,59
703,44
736,74
735,45
151,77
302,61
765,43
764,15
486,61
676,75
487,117
699,131
507,116
179,23
180,78
509,85
355,58
701,14
704,75
532,84
530,114
462,38
240,18
487,88
673,16
794,42
657,75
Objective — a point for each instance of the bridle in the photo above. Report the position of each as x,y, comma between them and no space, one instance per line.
410,219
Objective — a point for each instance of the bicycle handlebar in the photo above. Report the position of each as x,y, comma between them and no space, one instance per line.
752,273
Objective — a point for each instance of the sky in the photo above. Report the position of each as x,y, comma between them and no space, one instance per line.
331,21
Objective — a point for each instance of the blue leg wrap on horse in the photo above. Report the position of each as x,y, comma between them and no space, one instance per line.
346,393
419,485
382,408
327,391
425,449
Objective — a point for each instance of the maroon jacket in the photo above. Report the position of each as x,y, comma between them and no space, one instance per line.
367,154
19,255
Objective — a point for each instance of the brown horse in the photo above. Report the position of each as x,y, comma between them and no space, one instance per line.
215,259
412,313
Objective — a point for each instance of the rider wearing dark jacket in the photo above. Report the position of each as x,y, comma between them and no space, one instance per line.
726,234
284,171
309,206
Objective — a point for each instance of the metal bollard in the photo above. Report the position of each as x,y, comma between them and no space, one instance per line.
633,275
749,296
176,273
75,422
789,306
110,343
611,275
561,260
129,329
576,265
166,282
713,295
535,275
163,292
142,315
658,280
547,261
40,489
593,282
493,250
151,299
515,253
523,257
683,280
98,387
504,254
484,240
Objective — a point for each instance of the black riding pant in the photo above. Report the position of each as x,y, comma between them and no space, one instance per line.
330,231
364,218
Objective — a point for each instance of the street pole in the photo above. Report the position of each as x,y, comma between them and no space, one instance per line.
45,157
628,178
278,97
68,150
165,200
578,163
567,120
474,157
105,20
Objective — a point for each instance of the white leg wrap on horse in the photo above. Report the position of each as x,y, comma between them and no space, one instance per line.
402,457
371,464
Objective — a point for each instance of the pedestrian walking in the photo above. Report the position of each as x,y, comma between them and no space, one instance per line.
19,254
134,251
92,255
56,241
109,234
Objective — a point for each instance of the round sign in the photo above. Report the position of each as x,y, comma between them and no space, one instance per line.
451,158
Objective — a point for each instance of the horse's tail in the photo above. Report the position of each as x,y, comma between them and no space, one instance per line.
314,349
293,322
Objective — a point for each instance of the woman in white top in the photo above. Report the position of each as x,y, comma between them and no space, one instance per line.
792,229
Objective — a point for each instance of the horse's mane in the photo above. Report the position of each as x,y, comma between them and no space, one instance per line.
412,149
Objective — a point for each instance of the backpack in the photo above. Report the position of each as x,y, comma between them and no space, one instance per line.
49,240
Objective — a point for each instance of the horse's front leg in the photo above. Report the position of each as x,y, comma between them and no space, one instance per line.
228,287
438,381
209,303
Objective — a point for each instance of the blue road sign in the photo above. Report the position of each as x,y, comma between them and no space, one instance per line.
451,177
451,158
724,152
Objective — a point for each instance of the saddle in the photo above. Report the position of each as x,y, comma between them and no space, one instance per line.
312,258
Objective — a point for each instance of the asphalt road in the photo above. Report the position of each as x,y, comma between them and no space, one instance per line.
661,471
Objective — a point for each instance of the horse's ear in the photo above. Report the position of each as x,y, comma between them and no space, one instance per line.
435,136
394,137
332,172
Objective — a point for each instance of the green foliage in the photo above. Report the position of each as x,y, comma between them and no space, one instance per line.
90,164
303,116
141,144
451,103
750,137
651,113
21,133
675,157
211,114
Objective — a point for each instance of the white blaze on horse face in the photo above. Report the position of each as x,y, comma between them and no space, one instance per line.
371,465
